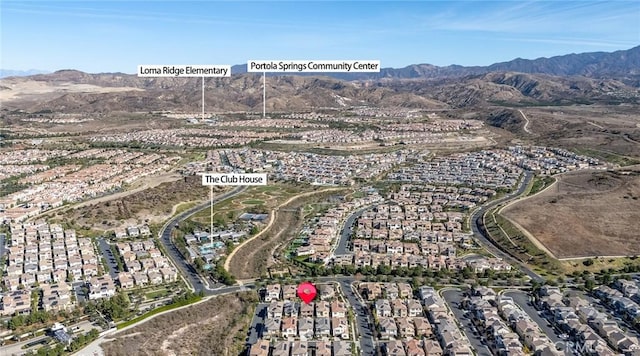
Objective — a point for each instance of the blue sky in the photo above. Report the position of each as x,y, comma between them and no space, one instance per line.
116,36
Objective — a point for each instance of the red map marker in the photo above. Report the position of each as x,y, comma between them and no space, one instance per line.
306,292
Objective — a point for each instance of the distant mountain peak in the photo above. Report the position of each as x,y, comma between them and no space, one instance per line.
20,73
623,65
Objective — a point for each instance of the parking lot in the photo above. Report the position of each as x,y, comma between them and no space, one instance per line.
105,250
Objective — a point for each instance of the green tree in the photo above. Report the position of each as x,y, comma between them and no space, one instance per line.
589,284
199,263
16,322
383,269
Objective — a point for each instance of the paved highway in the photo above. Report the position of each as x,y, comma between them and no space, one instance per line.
482,237
185,268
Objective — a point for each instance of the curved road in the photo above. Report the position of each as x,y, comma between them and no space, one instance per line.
482,236
476,228
347,228
363,324
185,268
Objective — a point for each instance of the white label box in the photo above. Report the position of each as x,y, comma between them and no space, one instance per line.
313,66
184,70
234,179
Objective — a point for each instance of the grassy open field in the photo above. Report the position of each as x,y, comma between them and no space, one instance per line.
584,214
213,327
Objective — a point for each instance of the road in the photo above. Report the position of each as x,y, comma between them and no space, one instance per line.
482,237
365,330
476,227
347,229
3,237
185,268
81,296
364,324
453,297
522,300
94,347
257,323
17,348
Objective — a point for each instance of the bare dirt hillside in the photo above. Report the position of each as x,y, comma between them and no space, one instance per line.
209,328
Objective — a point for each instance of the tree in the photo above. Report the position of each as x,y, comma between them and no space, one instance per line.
384,269
16,322
349,270
589,284
467,272
199,263
116,307
337,269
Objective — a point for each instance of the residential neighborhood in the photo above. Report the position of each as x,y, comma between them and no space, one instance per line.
407,209
51,187
50,258
325,325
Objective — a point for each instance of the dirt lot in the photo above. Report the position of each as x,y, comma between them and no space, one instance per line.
584,214
209,328
152,205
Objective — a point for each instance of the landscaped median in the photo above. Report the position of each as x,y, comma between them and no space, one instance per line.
539,184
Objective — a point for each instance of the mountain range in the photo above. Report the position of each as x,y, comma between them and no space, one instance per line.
20,73
623,65
598,77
